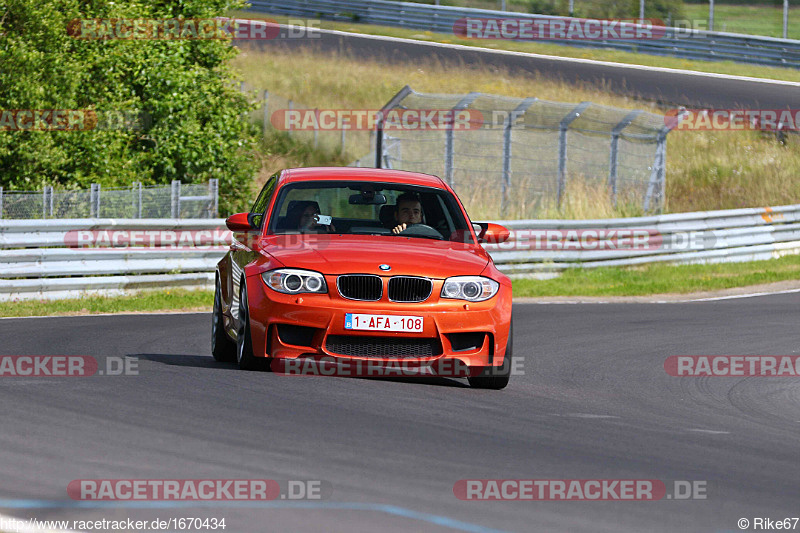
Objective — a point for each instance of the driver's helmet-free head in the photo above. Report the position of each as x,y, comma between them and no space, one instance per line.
408,197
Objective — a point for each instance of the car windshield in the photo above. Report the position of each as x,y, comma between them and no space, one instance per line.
368,208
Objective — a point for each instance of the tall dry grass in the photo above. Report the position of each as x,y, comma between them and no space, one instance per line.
705,170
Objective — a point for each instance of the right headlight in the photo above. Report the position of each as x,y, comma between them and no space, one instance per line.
295,280
470,288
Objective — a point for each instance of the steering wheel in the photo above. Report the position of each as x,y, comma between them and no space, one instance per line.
423,230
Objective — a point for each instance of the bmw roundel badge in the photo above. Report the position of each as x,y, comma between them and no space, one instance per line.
385,267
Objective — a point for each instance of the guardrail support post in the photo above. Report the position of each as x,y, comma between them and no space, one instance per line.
176,199
507,130
448,139
562,146
614,156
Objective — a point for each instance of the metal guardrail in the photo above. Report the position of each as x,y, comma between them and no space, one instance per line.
683,43
44,259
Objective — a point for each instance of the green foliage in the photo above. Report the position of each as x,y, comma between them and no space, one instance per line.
627,9
192,109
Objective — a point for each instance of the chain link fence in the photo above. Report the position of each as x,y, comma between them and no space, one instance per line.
178,200
520,155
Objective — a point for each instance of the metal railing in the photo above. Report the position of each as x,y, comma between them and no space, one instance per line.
49,259
177,200
683,43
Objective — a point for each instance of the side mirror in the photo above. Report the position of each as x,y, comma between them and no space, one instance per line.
492,233
239,222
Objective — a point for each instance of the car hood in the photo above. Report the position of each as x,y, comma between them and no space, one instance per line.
343,254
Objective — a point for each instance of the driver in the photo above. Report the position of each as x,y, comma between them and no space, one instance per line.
407,211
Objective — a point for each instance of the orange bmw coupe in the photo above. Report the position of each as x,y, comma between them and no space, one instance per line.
363,266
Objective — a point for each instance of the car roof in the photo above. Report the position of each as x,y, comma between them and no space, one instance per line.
385,175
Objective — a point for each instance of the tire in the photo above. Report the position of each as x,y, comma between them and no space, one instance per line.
496,378
222,348
244,341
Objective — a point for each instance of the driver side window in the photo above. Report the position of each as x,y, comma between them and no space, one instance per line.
260,206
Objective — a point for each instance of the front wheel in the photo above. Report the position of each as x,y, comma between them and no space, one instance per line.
222,348
244,341
493,377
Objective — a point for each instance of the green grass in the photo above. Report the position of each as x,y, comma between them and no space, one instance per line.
661,279
162,300
753,20
720,67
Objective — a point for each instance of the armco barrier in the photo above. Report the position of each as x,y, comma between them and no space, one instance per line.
46,258
684,43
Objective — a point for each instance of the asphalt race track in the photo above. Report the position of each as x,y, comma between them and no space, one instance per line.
594,403
668,87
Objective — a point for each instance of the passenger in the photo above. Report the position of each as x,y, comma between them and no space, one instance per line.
407,211
303,216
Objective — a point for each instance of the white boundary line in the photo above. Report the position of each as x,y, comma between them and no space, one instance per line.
556,58
749,295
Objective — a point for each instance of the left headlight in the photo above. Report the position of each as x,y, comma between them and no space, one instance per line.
470,288
295,280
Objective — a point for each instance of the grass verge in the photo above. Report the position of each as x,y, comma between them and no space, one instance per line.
597,54
661,279
144,301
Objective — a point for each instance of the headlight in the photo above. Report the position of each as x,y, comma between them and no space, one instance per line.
294,281
471,288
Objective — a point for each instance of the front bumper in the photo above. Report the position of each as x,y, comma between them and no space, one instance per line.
472,334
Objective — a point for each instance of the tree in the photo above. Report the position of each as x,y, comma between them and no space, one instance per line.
187,112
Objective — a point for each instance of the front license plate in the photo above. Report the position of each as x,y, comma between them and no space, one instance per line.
408,324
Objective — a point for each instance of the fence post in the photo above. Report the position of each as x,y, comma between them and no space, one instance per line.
656,186
266,112
176,199
213,189
94,194
345,123
44,202
614,155
396,99
562,146
316,127
448,139
1,202
379,140
51,202
289,122
507,129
